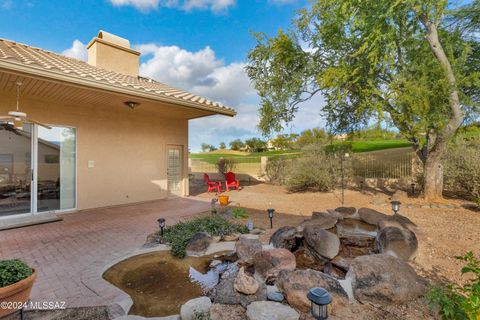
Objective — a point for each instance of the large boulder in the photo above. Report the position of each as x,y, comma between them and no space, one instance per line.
399,242
371,216
268,263
320,243
286,237
269,310
381,279
198,244
227,312
296,284
195,306
246,248
346,212
398,221
326,222
245,283
225,293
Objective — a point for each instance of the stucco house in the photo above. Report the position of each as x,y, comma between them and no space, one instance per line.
115,138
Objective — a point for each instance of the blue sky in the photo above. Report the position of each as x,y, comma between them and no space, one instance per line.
196,45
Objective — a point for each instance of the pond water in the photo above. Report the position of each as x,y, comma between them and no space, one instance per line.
352,227
157,282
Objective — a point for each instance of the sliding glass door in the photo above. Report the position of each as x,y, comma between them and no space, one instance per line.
37,169
15,169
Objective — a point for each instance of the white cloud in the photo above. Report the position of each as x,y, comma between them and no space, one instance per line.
78,51
216,6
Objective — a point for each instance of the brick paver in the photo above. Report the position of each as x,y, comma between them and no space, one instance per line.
70,254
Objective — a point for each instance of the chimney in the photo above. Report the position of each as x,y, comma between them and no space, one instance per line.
111,52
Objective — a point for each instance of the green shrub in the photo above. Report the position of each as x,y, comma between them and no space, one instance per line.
316,171
12,271
277,170
239,213
179,235
462,169
225,165
201,315
457,302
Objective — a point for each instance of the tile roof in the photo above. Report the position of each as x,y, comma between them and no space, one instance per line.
53,63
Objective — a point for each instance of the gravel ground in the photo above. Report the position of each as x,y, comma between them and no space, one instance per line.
443,233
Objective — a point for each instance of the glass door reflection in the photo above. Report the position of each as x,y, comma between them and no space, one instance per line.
15,169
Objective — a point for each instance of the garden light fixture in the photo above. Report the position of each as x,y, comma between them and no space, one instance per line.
161,224
413,188
270,216
320,299
395,206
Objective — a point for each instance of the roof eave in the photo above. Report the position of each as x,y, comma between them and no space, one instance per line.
35,72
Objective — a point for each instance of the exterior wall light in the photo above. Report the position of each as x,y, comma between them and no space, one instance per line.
161,224
131,104
320,299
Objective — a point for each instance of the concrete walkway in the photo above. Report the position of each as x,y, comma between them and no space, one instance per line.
65,253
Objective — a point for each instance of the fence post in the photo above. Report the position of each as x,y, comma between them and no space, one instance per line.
263,165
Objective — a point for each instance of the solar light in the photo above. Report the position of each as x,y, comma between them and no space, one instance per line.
320,299
413,188
361,185
270,216
213,203
161,224
395,206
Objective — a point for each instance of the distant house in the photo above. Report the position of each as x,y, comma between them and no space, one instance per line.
116,137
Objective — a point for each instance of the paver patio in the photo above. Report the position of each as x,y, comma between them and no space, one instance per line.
63,252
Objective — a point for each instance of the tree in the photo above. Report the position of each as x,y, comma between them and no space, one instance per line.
222,145
237,144
414,64
207,147
256,145
311,136
284,141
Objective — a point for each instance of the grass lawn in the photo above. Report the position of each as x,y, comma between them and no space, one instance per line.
357,147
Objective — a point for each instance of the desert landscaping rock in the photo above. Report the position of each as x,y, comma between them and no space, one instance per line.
399,242
286,237
296,284
245,283
273,294
198,305
321,243
268,263
346,212
246,248
371,216
227,312
326,222
381,279
269,310
198,244
225,293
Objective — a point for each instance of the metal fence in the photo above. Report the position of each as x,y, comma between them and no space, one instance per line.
243,165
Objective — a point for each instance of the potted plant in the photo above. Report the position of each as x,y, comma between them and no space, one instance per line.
16,281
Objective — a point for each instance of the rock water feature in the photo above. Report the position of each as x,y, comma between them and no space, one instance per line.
359,256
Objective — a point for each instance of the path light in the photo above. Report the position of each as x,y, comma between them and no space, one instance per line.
270,216
213,203
361,184
413,188
320,299
395,206
161,224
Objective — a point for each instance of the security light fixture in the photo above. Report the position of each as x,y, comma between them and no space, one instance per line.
395,206
270,216
131,104
320,299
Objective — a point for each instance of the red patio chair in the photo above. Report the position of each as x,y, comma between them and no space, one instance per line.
212,185
231,182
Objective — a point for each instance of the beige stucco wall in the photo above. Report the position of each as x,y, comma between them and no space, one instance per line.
114,58
128,147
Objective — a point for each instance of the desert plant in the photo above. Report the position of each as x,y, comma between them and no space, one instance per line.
225,165
239,213
180,234
459,302
13,271
316,171
462,168
277,170
201,315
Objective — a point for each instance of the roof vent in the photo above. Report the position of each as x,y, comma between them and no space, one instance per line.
113,53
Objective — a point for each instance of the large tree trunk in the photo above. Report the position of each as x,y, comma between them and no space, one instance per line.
433,175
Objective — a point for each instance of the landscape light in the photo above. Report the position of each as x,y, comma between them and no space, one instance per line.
161,224
395,206
270,216
320,299
413,188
